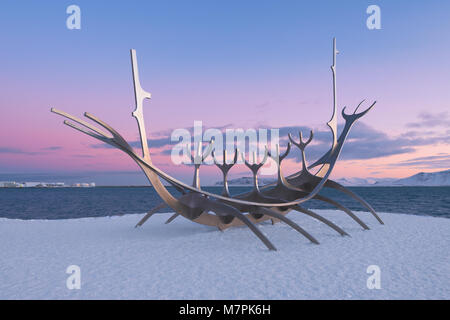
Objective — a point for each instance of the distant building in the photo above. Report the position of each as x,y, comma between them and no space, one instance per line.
44,184
13,184
31,184
10,184
87,185
83,185
54,184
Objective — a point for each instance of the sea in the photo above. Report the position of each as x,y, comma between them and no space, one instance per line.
73,203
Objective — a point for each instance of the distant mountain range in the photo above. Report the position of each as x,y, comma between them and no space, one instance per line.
441,178
428,179
365,181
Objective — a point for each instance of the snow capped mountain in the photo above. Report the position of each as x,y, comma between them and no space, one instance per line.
364,181
441,178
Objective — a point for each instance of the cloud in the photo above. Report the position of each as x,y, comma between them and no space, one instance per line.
83,156
428,162
52,148
372,143
363,142
161,138
427,119
7,150
263,106
153,143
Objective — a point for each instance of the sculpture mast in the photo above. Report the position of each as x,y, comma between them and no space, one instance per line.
333,121
140,95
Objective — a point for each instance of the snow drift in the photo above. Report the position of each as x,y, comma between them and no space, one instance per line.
184,260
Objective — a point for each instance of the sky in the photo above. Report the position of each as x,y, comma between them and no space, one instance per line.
229,64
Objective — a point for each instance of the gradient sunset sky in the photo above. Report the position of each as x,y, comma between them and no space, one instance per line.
229,64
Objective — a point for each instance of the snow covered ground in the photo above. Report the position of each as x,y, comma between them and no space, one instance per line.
184,260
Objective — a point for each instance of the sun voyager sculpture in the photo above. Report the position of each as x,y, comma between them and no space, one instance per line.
272,201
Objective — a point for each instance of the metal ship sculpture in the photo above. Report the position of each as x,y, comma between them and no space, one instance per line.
268,202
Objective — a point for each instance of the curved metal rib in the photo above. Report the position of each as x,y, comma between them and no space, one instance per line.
226,210
150,213
306,179
288,221
172,217
83,123
337,186
343,208
198,159
321,219
284,188
350,119
286,191
225,168
198,204
117,138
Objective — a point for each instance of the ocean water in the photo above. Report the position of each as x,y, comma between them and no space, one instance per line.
66,203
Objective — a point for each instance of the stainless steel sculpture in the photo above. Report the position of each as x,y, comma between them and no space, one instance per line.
272,201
